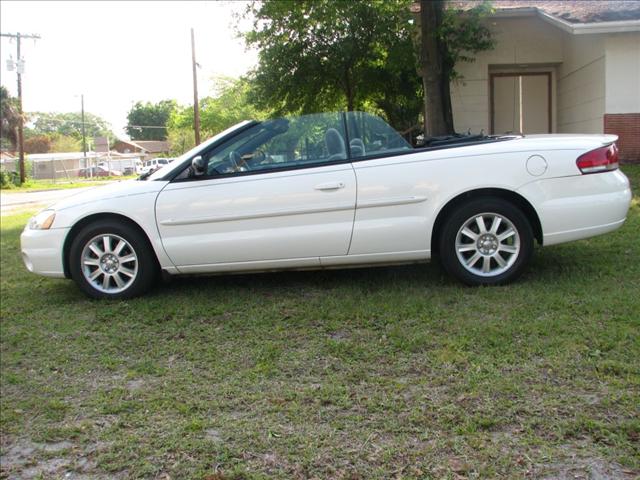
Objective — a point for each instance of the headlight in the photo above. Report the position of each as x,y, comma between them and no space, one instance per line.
43,220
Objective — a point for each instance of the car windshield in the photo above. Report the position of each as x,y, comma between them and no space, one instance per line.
179,161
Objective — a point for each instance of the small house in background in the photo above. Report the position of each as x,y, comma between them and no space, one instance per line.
70,165
7,162
58,166
557,67
149,148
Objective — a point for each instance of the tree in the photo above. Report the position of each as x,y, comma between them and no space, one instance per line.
447,37
10,118
144,116
229,105
67,124
319,55
37,144
65,143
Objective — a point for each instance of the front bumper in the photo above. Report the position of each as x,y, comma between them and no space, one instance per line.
42,251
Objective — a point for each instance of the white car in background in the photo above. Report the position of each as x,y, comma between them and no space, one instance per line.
154,164
329,191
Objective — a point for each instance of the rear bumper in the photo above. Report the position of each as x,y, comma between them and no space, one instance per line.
42,251
582,206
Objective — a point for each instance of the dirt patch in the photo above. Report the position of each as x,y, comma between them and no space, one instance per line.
212,435
340,335
586,468
23,460
134,385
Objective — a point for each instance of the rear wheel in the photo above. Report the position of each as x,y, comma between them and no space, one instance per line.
109,259
487,241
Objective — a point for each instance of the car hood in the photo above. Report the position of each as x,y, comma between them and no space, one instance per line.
113,190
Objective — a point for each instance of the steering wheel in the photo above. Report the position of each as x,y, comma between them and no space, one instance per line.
239,165
260,157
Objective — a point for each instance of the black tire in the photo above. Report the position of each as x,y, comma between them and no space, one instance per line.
458,249
117,267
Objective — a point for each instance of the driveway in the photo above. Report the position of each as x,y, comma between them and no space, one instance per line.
15,202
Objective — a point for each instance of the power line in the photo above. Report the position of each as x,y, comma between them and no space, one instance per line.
74,122
19,71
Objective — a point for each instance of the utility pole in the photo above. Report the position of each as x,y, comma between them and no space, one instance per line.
196,107
19,71
84,136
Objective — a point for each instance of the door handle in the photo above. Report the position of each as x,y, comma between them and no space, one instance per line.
329,186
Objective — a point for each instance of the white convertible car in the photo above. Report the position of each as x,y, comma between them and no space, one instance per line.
333,190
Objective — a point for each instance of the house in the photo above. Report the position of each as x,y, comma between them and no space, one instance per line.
557,67
155,147
67,165
7,162
150,148
58,165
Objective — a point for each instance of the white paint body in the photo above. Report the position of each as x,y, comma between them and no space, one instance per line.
364,212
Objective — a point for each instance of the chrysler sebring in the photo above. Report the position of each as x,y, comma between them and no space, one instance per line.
333,190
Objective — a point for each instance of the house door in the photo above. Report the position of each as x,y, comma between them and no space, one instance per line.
521,102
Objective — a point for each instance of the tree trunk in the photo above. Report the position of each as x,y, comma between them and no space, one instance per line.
435,75
350,94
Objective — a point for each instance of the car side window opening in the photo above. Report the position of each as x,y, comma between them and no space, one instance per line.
370,135
279,143
300,141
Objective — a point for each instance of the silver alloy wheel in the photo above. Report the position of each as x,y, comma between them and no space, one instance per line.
487,244
109,263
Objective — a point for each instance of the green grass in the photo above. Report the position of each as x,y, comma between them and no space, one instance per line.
373,373
33,185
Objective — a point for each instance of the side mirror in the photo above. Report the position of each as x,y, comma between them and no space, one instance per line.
199,165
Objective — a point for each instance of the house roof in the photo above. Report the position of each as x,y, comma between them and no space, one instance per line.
54,156
153,146
572,11
133,144
572,16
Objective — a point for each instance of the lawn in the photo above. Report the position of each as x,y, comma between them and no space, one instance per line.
357,374
34,185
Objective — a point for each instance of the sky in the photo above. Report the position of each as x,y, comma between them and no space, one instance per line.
117,53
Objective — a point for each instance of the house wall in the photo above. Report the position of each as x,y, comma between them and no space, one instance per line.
595,79
581,84
55,169
622,68
524,44
622,87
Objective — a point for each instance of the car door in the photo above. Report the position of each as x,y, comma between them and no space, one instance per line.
391,220
273,196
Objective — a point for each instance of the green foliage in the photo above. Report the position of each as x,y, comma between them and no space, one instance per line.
9,179
65,143
228,106
145,115
38,144
53,142
465,34
325,55
9,119
180,139
67,124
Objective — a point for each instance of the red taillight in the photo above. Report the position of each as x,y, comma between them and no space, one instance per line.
599,160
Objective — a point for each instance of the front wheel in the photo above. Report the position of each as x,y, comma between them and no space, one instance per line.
109,259
486,241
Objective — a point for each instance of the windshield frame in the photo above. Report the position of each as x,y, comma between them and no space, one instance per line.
171,169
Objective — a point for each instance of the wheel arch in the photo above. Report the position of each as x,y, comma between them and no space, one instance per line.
518,200
83,222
